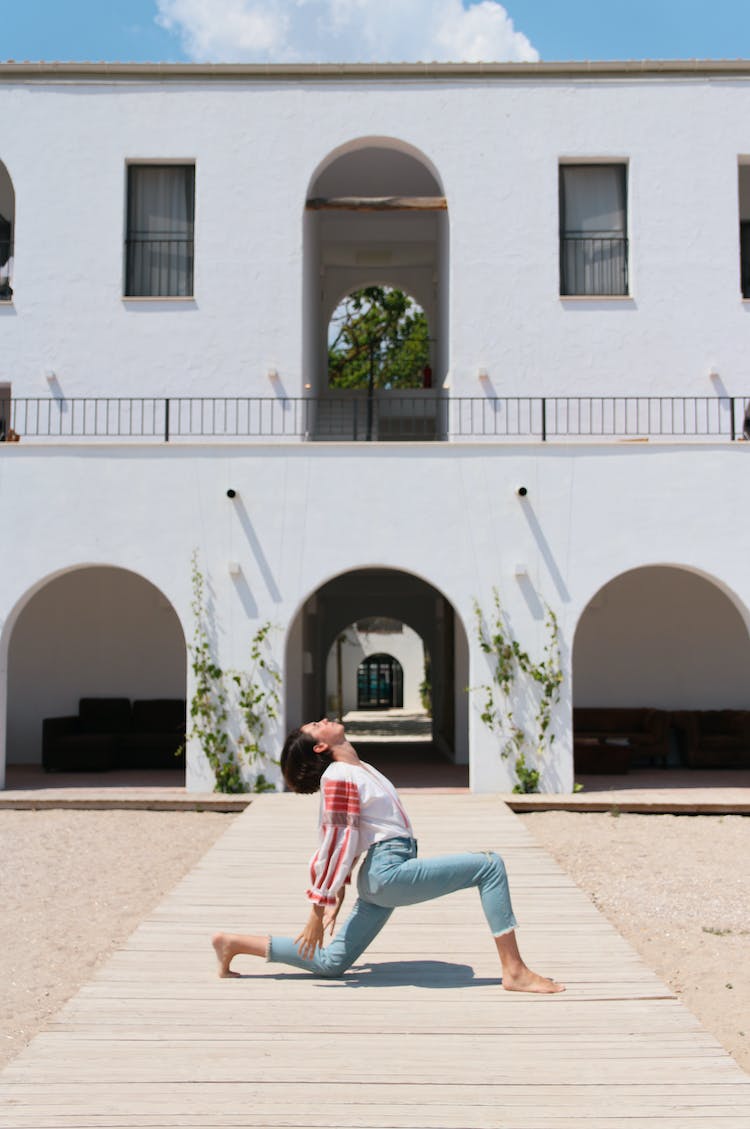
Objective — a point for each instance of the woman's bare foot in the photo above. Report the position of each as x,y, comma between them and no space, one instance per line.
225,952
524,980
517,976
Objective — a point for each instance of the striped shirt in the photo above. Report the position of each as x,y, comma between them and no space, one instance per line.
358,807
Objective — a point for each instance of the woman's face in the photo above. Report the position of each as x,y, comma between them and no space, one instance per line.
324,732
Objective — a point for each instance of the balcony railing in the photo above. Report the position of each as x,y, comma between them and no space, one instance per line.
159,267
594,264
421,417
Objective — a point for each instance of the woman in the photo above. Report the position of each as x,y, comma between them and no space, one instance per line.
362,814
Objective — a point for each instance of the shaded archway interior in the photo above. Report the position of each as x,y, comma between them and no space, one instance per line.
662,638
441,761
94,632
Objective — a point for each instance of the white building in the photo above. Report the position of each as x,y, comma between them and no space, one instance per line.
174,240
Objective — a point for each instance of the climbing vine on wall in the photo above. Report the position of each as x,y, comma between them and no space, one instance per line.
231,711
514,679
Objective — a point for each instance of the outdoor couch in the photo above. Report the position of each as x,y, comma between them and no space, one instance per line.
610,740
713,738
110,733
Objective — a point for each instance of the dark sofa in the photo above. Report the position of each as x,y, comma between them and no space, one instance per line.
713,738
609,740
110,733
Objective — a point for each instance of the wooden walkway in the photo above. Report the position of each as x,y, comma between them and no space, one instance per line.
418,1035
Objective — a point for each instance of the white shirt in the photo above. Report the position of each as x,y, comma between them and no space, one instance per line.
358,807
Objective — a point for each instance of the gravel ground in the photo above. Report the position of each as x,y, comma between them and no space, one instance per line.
677,888
74,885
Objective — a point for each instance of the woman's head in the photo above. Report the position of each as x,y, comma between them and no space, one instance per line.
301,766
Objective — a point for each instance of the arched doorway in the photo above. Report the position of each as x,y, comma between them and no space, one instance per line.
99,633
375,217
368,594
663,639
380,683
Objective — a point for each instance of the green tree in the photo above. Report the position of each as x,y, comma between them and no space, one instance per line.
378,338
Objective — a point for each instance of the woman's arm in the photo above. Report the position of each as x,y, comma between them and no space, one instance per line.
332,912
332,862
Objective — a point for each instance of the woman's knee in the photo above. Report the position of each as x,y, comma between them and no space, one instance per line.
496,864
333,961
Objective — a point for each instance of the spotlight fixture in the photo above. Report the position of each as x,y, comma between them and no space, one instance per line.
231,493
521,491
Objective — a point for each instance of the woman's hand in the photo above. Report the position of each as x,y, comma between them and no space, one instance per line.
332,912
311,937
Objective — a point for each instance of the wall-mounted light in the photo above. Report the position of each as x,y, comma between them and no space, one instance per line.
232,493
273,374
50,376
483,375
521,491
308,387
520,569
234,568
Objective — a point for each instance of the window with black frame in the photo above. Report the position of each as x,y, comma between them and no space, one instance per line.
7,222
160,230
744,202
593,230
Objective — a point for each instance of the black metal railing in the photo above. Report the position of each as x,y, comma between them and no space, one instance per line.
593,264
159,267
422,417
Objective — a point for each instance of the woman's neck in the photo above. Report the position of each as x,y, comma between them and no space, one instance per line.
345,752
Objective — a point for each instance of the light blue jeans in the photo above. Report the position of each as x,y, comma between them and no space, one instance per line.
392,875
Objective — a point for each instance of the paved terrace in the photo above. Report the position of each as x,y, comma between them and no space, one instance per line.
419,1034
410,766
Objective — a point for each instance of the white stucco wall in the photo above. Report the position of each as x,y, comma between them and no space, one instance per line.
297,522
445,512
256,147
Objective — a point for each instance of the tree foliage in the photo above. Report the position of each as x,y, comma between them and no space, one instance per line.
378,338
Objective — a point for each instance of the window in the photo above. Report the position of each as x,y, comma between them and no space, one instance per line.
744,194
7,217
593,230
159,244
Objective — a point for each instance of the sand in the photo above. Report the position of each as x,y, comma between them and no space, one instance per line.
74,884
678,889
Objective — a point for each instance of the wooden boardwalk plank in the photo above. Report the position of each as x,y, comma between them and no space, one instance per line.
419,1034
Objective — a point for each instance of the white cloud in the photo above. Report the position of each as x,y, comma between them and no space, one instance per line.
351,31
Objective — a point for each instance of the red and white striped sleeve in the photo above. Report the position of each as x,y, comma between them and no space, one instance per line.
331,864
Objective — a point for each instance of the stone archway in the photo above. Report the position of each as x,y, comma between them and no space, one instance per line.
375,215
397,595
664,638
92,632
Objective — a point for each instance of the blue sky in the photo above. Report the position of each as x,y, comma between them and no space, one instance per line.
556,29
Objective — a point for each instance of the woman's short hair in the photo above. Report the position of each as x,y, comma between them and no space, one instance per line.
301,766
